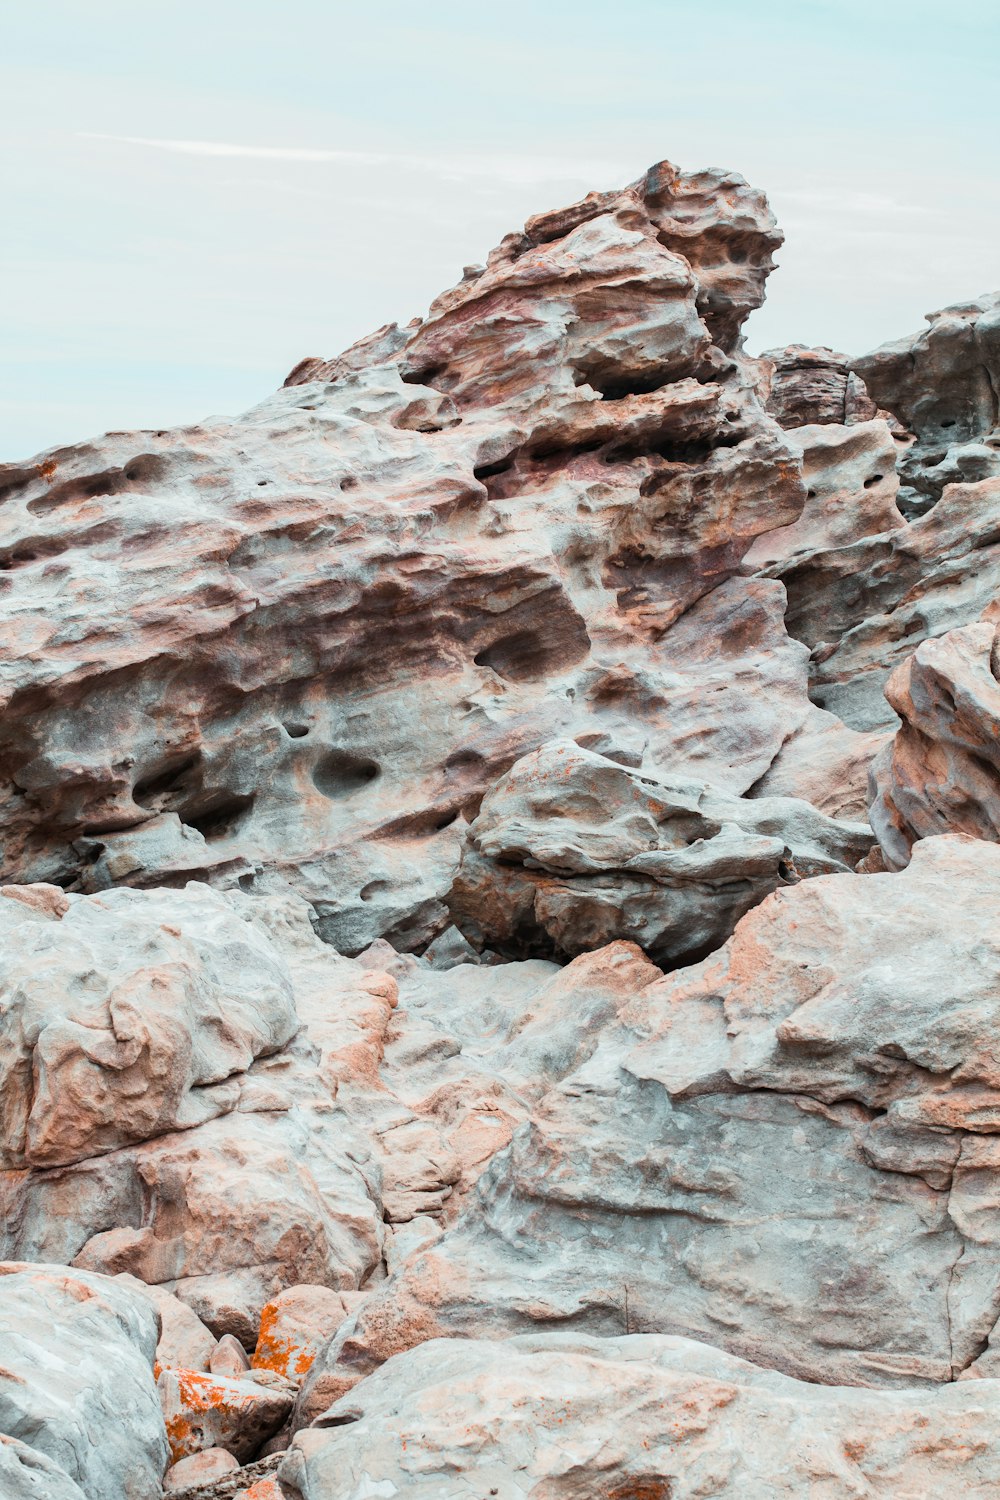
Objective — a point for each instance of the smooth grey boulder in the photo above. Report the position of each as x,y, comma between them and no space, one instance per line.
76,1381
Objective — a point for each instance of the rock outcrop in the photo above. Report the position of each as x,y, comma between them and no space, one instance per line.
943,384
782,1150
657,1418
941,771
294,650
498,929
571,850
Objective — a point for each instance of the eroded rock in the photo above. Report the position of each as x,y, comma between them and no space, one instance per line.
572,850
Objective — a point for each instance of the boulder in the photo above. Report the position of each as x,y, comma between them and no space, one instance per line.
572,849
77,1387
296,1325
198,1470
215,1411
653,1417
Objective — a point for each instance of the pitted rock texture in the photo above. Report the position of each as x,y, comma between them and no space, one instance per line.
446,961
295,649
943,384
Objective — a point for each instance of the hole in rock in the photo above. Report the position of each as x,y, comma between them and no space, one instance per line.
296,731
463,760
221,818
949,423
373,888
426,376
875,479
164,783
615,385
349,482
339,774
810,494
520,657
486,471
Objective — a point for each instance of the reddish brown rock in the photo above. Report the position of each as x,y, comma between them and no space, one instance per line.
806,386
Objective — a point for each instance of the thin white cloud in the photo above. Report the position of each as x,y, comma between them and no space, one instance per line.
513,169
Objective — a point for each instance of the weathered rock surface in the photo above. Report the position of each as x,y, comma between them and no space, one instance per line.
295,649
944,386
280,1189
127,1017
76,1386
806,386
780,1150
572,850
216,1411
296,1325
657,1418
198,1470
26,1474
369,767
941,771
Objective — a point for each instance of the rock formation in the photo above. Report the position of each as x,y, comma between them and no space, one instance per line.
499,962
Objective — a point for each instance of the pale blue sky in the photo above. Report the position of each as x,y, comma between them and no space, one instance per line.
150,275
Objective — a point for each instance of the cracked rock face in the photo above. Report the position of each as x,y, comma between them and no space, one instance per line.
499,843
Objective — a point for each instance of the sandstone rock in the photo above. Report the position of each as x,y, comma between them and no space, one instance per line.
571,850
826,763
941,771
649,1417
807,386
510,522
215,1411
780,1150
127,1017
229,1358
850,474
942,384
184,1341
27,1474
295,1325
282,1189
77,1386
863,607
198,1470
